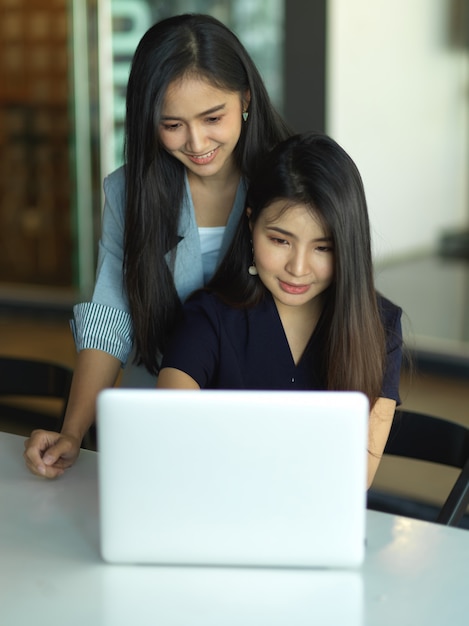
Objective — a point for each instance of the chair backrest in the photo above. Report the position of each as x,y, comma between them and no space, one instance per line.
427,438
29,378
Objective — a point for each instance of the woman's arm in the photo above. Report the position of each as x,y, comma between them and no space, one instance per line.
192,358
49,453
382,413
171,378
379,426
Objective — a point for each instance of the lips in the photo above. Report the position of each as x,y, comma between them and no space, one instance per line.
202,159
293,289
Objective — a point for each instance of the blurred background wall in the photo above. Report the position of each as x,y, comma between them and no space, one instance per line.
397,93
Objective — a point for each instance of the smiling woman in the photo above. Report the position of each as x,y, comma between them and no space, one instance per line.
189,151
198,132
200,126
293,303
291,255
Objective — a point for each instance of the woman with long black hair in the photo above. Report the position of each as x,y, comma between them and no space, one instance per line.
293,304
198,119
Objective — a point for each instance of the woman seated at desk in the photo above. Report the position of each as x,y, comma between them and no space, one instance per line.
293,304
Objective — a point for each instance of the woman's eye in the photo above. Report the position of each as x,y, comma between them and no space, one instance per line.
212,120
171,126
279,241
324,248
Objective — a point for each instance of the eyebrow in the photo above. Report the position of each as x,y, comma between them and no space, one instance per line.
214,109
282,231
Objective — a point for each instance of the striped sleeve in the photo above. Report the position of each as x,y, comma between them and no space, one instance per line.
104,328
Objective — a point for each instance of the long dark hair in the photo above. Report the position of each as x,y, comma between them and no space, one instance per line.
312,169
196,45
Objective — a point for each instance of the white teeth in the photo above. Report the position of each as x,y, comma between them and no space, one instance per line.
203,156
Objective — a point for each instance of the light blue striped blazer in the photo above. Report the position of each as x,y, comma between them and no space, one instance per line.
105,322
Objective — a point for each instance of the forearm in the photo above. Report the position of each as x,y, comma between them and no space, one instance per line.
95,370
380,423
373,464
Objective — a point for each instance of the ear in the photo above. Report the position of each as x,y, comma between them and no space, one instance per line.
248,213
246,99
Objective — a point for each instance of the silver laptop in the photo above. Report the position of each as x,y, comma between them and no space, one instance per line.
232,478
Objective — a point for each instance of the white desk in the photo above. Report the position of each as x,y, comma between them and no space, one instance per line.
51,572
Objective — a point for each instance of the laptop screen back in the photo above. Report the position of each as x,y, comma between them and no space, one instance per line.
255,478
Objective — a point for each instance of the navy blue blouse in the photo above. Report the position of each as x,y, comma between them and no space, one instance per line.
225,348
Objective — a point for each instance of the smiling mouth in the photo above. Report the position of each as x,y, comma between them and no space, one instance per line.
202,159
293,289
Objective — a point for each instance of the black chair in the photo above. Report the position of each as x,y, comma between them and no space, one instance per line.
23,382
427,438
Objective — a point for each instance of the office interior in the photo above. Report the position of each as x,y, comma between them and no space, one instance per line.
389,81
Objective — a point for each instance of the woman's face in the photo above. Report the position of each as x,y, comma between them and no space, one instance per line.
293,253
200,126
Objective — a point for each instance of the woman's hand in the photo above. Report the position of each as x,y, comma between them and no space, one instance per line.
49,454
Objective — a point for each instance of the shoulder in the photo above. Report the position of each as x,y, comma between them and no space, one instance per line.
114,183
390,312
114,198
391,318
208,305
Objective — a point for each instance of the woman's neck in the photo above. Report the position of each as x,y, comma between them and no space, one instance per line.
213,198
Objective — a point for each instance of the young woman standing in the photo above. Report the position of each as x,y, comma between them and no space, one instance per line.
198,119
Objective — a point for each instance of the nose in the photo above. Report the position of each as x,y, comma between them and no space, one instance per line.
299,263
196,140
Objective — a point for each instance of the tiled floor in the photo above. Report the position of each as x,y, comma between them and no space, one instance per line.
51,339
